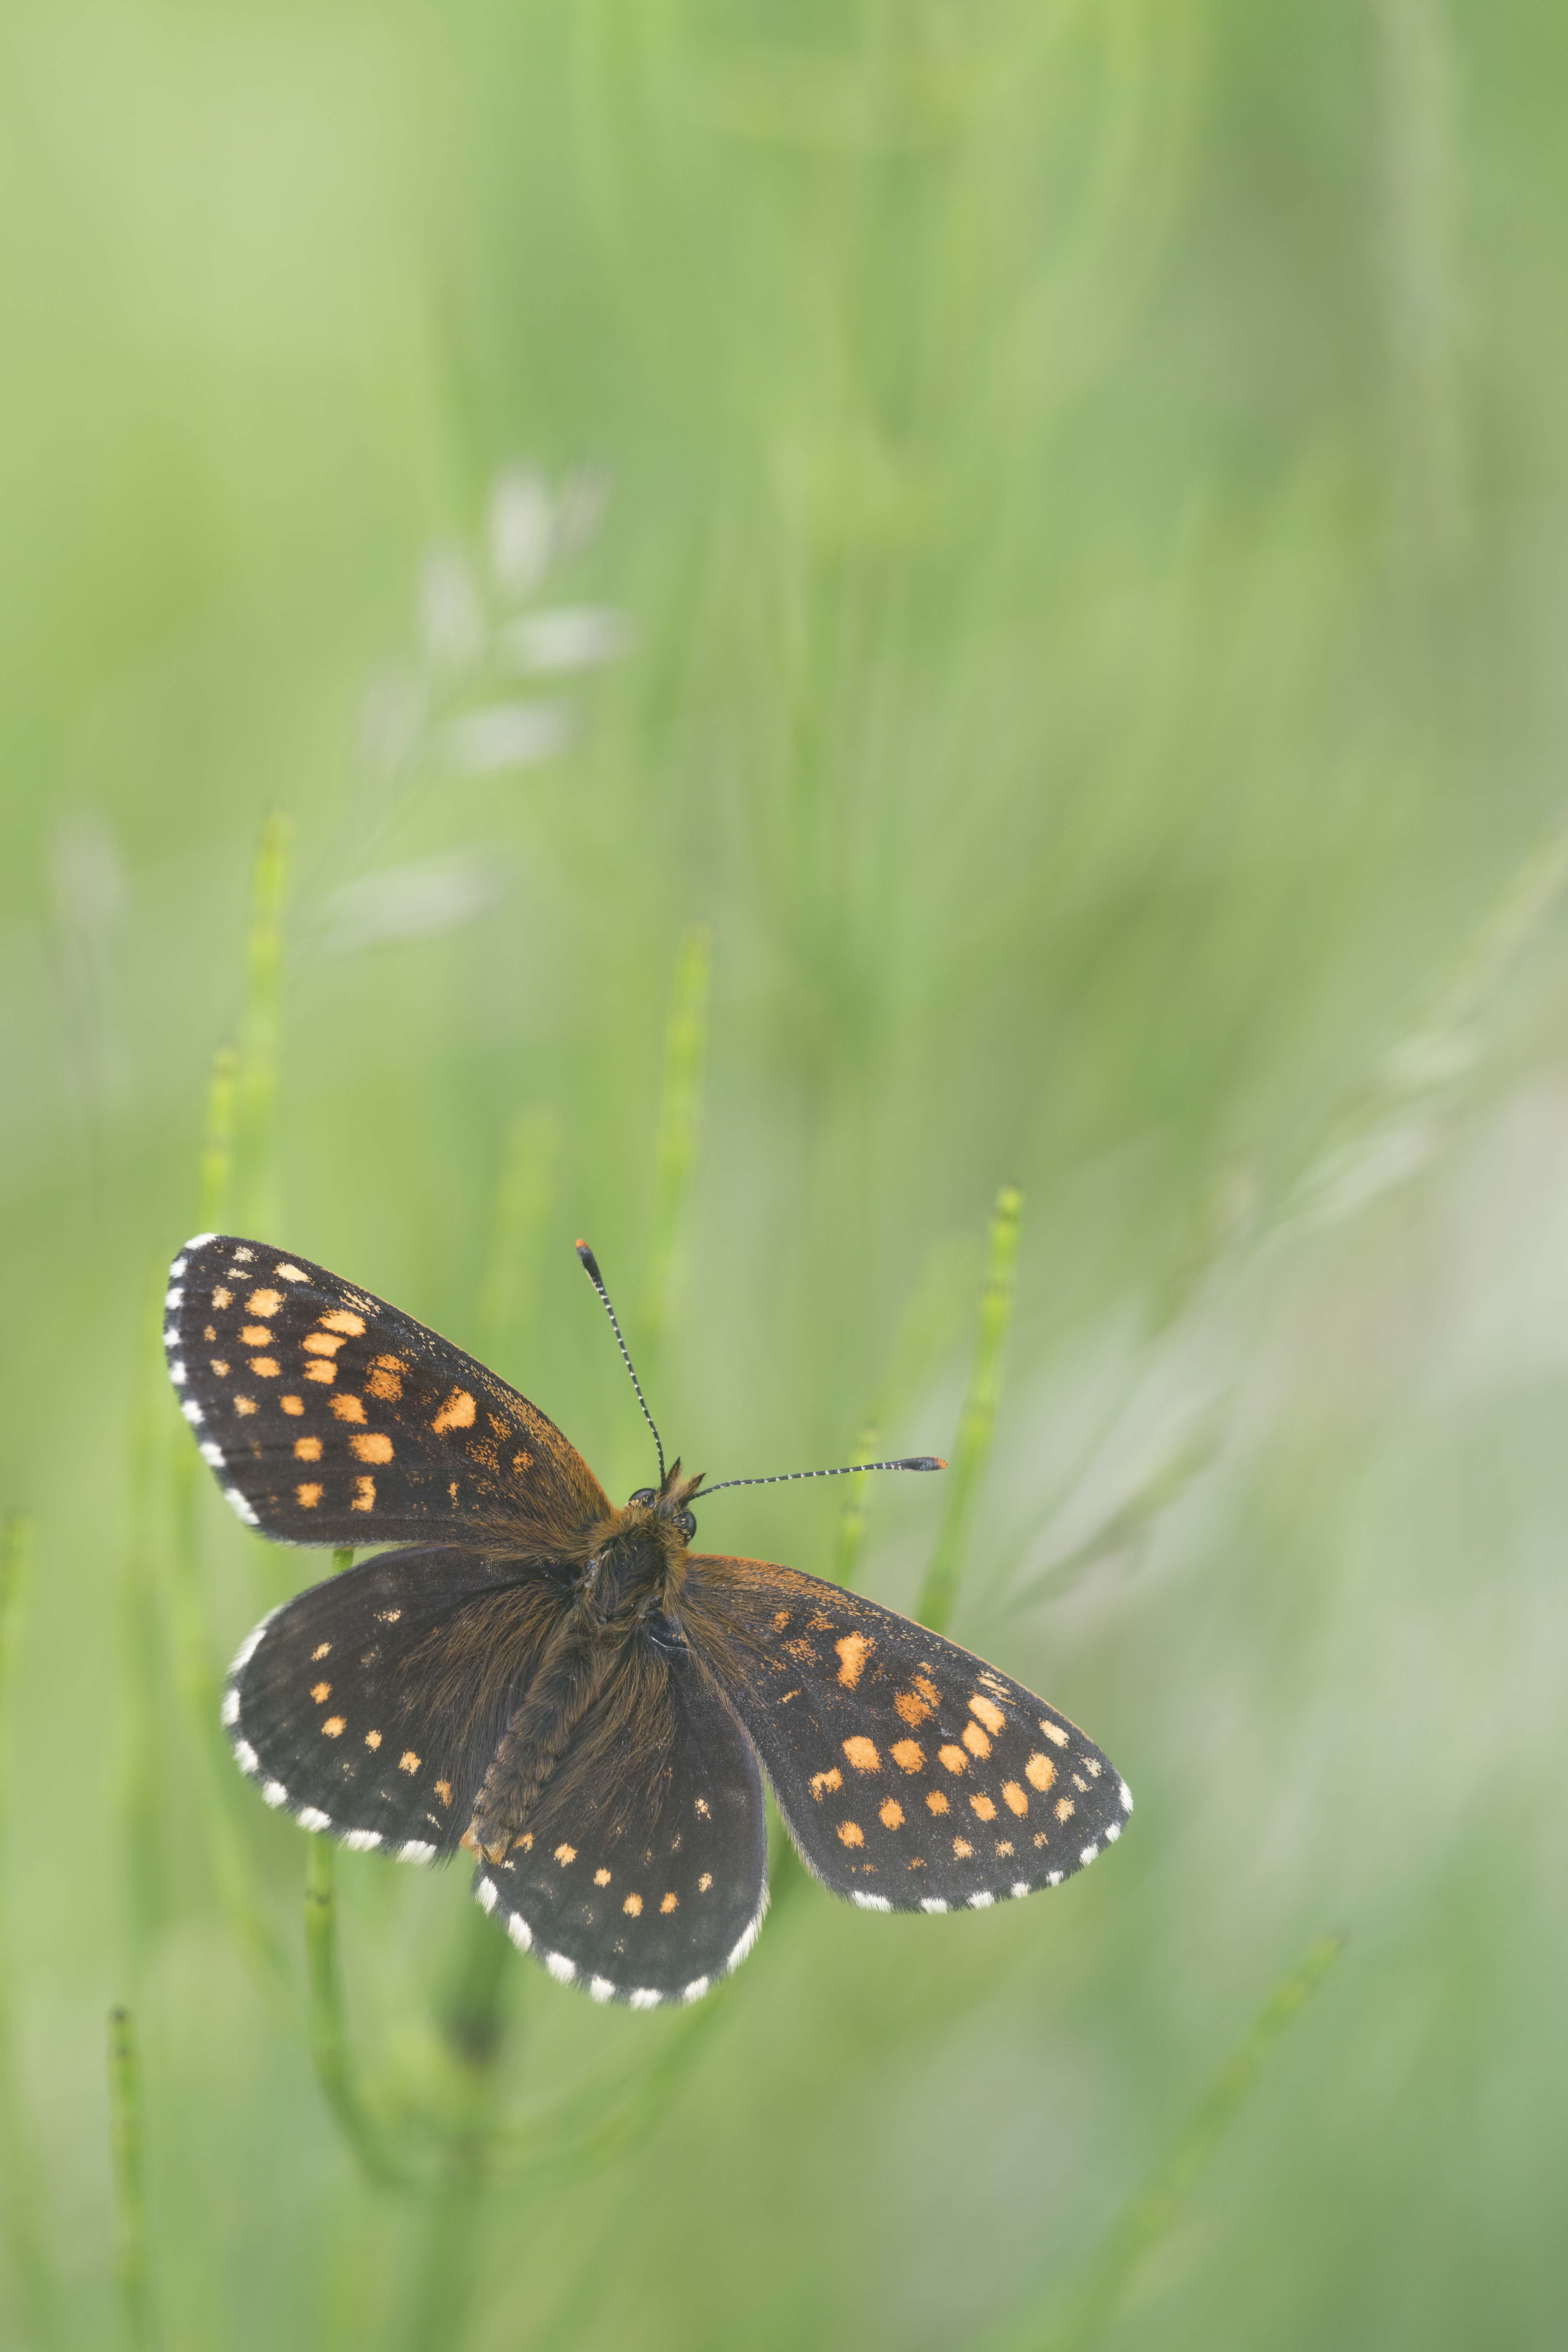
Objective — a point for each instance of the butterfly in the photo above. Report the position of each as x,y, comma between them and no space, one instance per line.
567,1690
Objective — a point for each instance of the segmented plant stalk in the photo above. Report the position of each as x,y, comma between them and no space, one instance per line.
977,1423
125,2151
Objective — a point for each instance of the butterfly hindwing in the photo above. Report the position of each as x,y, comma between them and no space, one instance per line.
911,1775
332,1418
642,1877
371,1705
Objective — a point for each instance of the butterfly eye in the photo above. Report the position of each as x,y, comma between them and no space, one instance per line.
643,1495
687,1525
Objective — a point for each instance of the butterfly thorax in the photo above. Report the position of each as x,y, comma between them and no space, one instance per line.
622,1598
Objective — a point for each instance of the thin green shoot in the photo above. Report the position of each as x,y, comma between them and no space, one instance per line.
258,1043
524,1200
127,2165
978,1421
20,2219
679,1121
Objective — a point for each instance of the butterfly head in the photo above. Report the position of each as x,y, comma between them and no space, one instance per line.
669,1504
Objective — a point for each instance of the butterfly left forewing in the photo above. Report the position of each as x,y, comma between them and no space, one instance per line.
642,1874
913,1776
330,1417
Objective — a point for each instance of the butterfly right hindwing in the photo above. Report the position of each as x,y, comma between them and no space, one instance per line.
643,1873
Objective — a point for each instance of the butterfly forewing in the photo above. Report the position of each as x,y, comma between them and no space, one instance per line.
370,1705
643,1875
911,1775
331,1418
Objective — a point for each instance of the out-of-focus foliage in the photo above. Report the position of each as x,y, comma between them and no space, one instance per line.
817,612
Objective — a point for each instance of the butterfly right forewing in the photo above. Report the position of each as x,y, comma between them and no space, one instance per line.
913,1776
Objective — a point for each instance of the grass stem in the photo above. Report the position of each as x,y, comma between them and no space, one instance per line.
977,1423
19,2215
679,1118
125,2147
258,1075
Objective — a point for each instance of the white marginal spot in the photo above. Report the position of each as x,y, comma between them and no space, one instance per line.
231,1704
644,1997
248,1647
487,1894
211,1452
981,1902
1053,1878
870,1902
600,1989
311,1817
199,1240
237,1502
1126,1798
522,1934
173,1296
361,1840
414,1850
1020,1886
246,1757
274,1794
177,1269
695,1990
1088,1853
1112,1833
193,1413
177,1370
933,1903
744,1945
560,1967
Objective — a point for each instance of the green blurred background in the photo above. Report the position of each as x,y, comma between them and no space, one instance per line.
846,606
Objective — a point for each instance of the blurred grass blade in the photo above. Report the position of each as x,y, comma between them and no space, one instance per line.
216,1169
144,1635
524,1199
978,1421
328,2023
125,2147
1156,2208
258,1210
26,2247
852,1518
475,2034
679,1116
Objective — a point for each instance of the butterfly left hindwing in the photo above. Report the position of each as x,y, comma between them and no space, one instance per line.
912,1776
369,1706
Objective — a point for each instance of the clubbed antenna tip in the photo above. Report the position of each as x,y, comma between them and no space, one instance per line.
590,1268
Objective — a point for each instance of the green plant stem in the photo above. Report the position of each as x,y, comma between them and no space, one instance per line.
476,2035
852,1518
258,1081
19,2214
977,1423
679,1118
125,2148
524,1199
1155,2208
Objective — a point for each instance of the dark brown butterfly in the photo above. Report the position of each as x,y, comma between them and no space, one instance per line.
566,1689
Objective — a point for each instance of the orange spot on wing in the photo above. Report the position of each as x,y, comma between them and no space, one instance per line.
308,1496
287,1273
1054,1732
292,1404
256,1335
908,1755
365,1494
892,1814
321,1693
862,1754
444,1791
935,1801
384,1385
989,1713
320,1343
1064,1808
851,1833
320,1369
823,1782
954,1758
219,1366
307,1449
222,1298
372,1739
265,1302
600,1878
1039,1771
373,1446
1013,1797
457,1413
983,1807
974,1739
243,1405
322,1649
670,1903
334,1727
340,1320
408,1761
265,1367
346,1406
632,1907
962,1848
565,1853
705,1882
853,1649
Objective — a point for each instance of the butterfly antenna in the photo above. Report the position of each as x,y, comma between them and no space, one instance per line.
849,1470
590,1268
